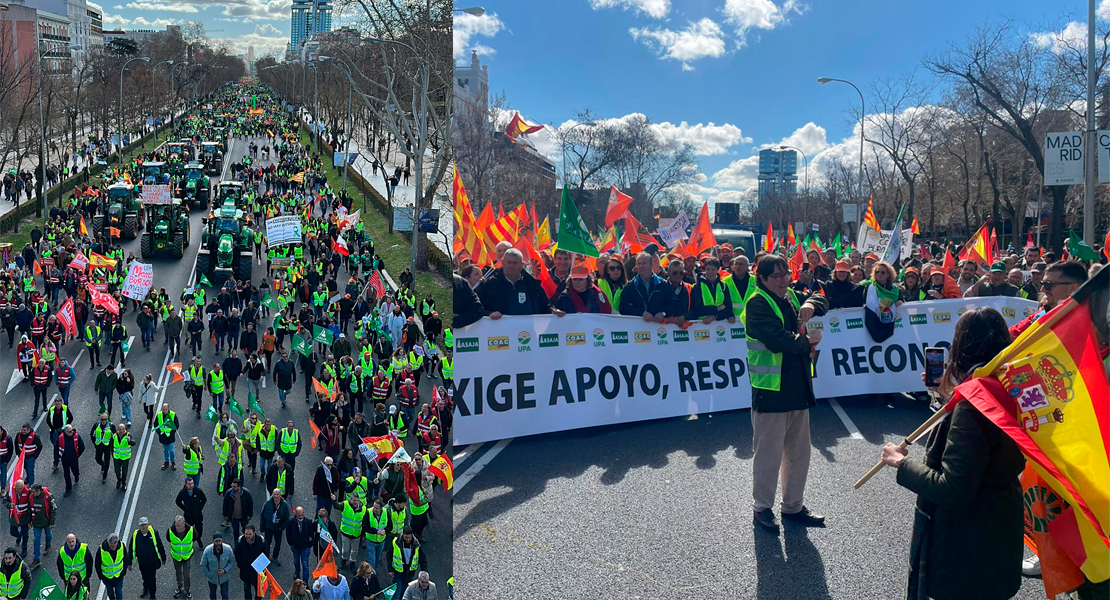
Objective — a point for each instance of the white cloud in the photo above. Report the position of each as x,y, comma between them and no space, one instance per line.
809,138
258,10
266,40
745,15
653,8
701,39
1073,36
468,26
161,6
740,174
707,139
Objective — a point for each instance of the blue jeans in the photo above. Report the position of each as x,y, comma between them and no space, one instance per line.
281,394
167,453
126,408
147,334
323,502
106,400
29,464
212,590
374,553
220,339
38,540
410,418
20,532
218,401
63,391
300,563
3,475
115,588
263,465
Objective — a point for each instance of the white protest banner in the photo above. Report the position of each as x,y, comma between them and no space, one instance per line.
283,230
1063,158
587,370
139,279
676,231
870,240
1104,156
157,194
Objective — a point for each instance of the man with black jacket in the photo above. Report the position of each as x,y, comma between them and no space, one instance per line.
274,517
249,547
147,551
780,372
232,366
645,295
191,501
511,291
300,533
285,375
710,299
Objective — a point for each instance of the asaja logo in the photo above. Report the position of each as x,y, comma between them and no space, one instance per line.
942,317
576,339
701,335
497,343
919,319
1009,312
681,335
599,337
524,342
642,337
736,333
661,336
854,323
549,340
720,333
620,337
467,345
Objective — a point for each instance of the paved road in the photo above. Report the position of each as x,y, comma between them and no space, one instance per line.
95,510
662,509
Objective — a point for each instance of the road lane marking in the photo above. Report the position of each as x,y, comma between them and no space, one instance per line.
853,431
17,378
481,463
461,456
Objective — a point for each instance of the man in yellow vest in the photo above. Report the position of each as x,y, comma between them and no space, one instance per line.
353,513
121,454
74,556
112,560
779,369
377,527
181,538
15,579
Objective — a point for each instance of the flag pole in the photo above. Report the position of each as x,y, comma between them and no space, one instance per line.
910,439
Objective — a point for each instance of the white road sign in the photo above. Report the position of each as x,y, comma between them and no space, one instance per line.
1063,158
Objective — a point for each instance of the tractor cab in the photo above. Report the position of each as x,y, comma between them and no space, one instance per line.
178,150
169,233
212,155
154,173
194,187
124,213
231,191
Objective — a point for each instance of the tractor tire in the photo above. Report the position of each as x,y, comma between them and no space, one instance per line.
188,234
245,267
96,225
130,224
177,249
204,264
147,245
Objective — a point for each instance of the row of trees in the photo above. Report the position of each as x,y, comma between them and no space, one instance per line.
81,98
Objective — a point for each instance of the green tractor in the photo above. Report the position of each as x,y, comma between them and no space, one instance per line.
212,155
194,187
178,150
124,212
226,250
233,192
169,233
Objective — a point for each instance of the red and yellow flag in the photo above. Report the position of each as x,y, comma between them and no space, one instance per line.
790,239
268,586
869,216
84,230
468,234
518,127
384,446
507,228
914,227
442,468
609,242
97,261
1048,392
543,235
769,239
978,248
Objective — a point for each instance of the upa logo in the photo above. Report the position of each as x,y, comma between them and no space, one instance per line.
599,337
620,337
919,319
942,317
720,333
642,337
1009,312
467,345
549,340
681,335
524,342
661,336
576,339
855,323
961,311
736,333
834,325
1028,310
497,343
701,335
898,321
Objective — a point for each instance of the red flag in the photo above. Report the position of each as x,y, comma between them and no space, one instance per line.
67,317
790,239
925,254
635,235
326,566
500,211
376,283
1029,239
979,246
412,487
618,205
79,262
769,239
340,246
319,387
17,472
949,261
796,262
103,299
546,282
1106,246
485,217
701,238
535,222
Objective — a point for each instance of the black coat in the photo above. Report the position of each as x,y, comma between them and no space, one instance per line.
844,294
635,304
498,294
245,553
192,507
968,483
300,535
796,390
229,503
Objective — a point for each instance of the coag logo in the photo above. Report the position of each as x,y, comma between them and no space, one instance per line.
619,337
942,317
524,342
466,345
720,333
1009,312
815,325
736,333
854,323
642,337
681,336
497,343
576,339
599,337
661,336
919,319
549,340
701,335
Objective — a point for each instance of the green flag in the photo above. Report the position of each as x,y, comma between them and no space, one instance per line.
302,346
322,335
839,248
573,234
253,402
1078,249
268,301
211,415
204,280
805,243
126,346
233,406
46,588
389,591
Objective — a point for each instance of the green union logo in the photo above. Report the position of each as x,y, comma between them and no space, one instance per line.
855,323
681,336
919,319
549,340
619,337
467,345
737,333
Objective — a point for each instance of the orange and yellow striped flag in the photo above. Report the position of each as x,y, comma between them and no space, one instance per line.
507,228
1048,391
84,230
468,234
869,216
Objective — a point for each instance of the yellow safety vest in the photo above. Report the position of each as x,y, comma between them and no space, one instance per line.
181,549
376,523
121,447
764,366
77,563
111,567
289,441
351,525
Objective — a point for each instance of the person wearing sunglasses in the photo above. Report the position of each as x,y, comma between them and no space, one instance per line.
1060,280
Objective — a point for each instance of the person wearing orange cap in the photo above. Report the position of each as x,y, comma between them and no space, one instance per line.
581,296
912,290
840,290
869,261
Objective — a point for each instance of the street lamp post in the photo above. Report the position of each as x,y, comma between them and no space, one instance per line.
153,98
173,86
862,116
347,144
119,113
316,96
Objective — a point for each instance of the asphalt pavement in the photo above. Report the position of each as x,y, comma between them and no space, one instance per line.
662,509
96,510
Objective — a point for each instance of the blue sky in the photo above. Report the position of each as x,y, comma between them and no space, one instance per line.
726,75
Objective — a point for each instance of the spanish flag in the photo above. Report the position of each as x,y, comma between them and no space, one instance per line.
1048,392
979,246
84,230
268,587
790,239
442,468
517,127
914,227
384,445
97,261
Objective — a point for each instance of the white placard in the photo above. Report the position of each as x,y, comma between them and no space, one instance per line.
1063,158
139,279
157,194
675,232
531,375
283,230
1104,156
851,213
870,240
259,565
